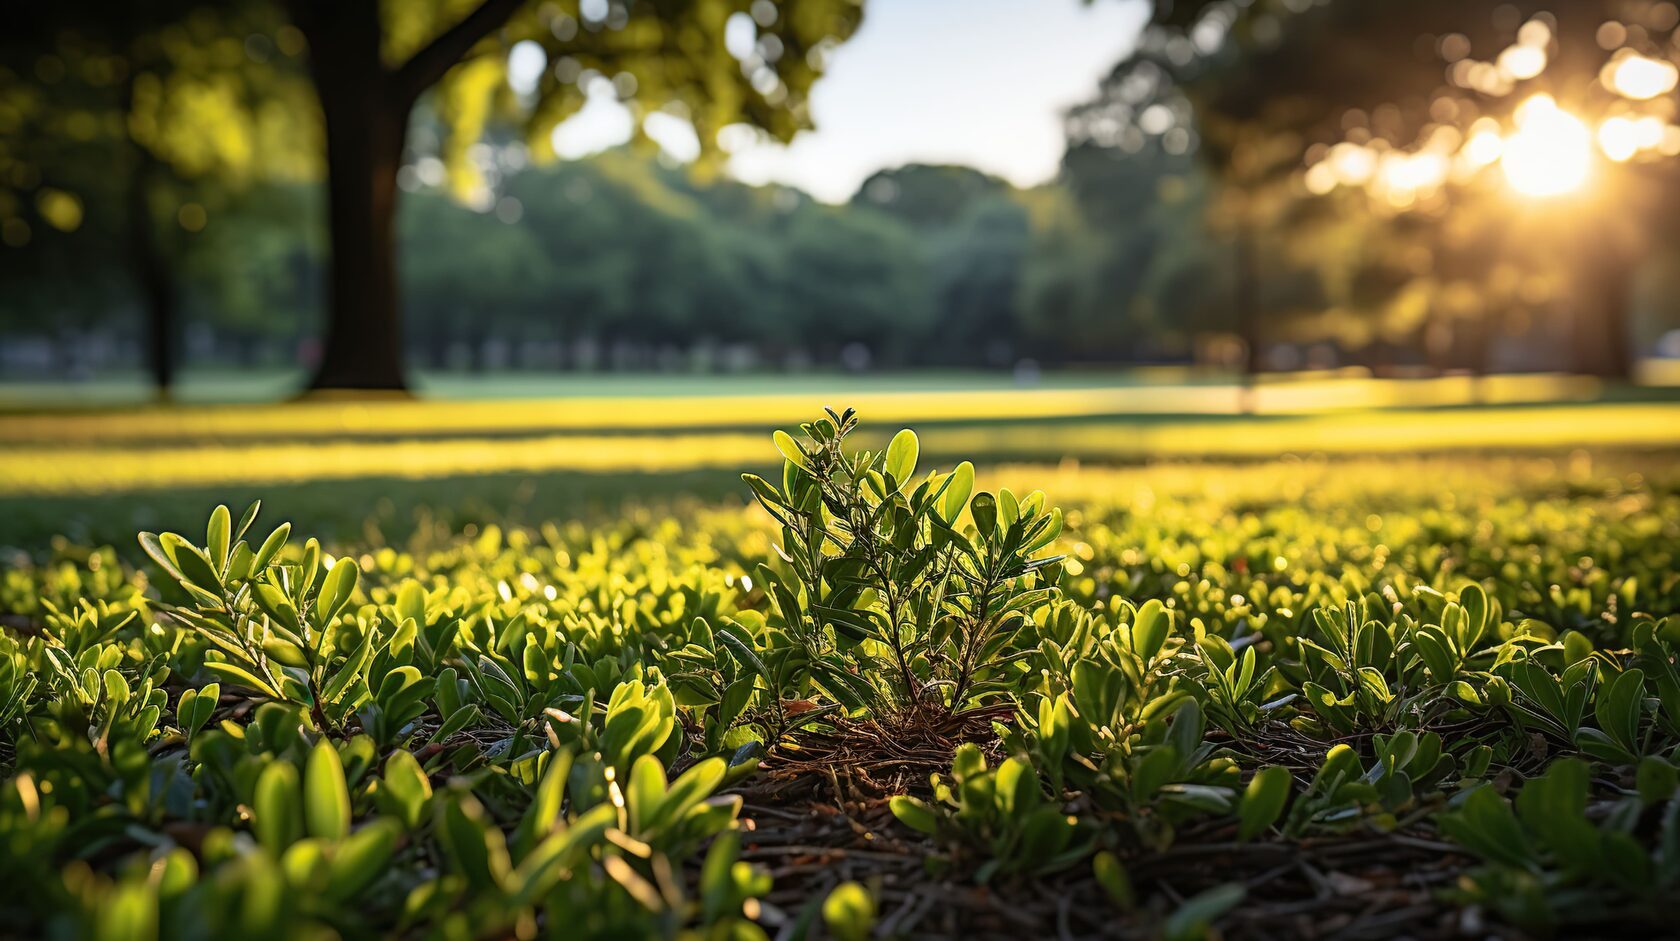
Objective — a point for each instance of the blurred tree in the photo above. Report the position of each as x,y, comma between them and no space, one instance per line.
371,62
928,196
485,279
1158,277
976,280
1060,291
110,118
692,263
253,272
1411,101
975,234
857,279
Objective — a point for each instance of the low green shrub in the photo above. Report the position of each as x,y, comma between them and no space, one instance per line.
519,733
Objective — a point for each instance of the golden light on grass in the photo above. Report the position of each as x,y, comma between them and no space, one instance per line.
1550,153
1368,423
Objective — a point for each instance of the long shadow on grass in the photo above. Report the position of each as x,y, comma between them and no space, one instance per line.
376,510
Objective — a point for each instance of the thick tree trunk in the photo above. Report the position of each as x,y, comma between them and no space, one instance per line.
364,344
365,128
366,107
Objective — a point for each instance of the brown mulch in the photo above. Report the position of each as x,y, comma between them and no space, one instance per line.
817,816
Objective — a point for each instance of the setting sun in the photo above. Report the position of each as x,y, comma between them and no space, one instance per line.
1550,153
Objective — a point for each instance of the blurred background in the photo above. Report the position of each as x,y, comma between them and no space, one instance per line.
1101,228
1409,187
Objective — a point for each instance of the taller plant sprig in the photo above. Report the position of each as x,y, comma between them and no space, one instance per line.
268,627
908,608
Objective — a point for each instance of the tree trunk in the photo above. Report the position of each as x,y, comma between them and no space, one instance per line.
363,348
366,123
366,106
151,270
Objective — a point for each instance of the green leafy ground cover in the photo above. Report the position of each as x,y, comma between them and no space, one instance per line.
860,696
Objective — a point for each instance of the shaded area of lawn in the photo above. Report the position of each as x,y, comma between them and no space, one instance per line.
373,511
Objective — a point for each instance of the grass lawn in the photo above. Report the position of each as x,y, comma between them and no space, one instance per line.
98,473
171,448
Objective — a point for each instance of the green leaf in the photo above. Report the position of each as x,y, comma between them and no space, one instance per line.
195,566
348,672
914,814
411,602
850,623
1194,919
1617,706
543,815
1485,825
687,791
1554,806
276,605
1052,528
742,651
284,652
360,858
407,787
217,535
543,866
643,793
1149,628
326,806
1438,658
247,518
243,677
1116,884
128,913
276,812
790,449
1263,800
1656,780
152,545
901,456
766,493
478,849
1475,603
955,497
196,706
335,591
849,912
984,509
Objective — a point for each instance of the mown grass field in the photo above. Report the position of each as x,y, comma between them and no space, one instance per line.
1329,671
95,474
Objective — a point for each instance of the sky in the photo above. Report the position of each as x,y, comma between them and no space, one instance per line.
978,82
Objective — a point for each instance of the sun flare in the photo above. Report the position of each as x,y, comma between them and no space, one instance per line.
1551,151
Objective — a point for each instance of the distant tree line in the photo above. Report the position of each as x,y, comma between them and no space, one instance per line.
621,260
